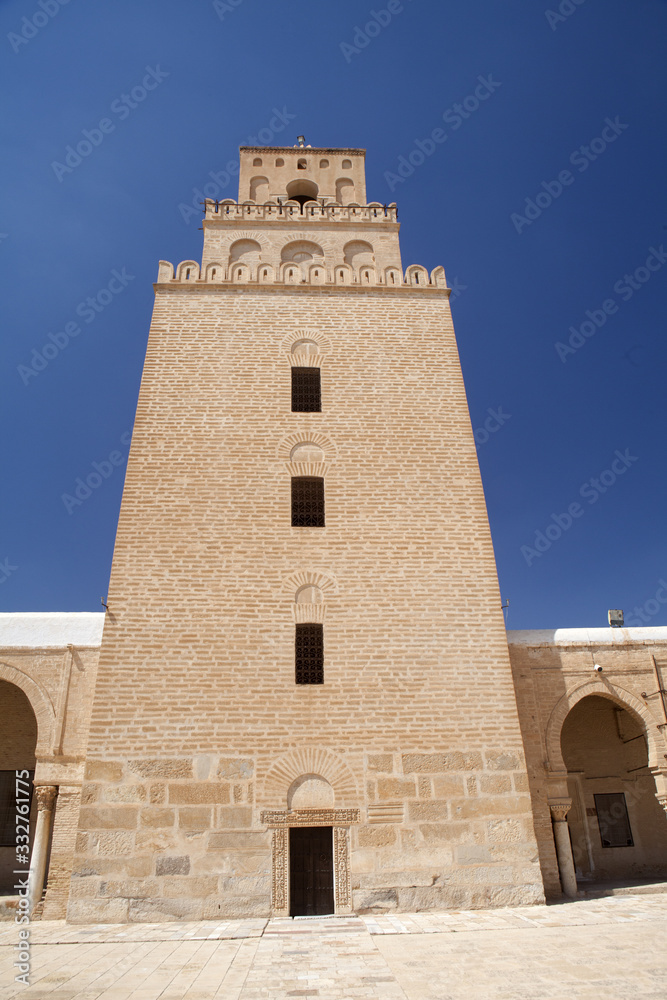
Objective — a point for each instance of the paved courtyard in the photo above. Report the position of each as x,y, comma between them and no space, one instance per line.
614,948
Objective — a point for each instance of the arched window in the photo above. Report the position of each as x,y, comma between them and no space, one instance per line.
307,451
344,190
347,164
324,164
358,252
259,189
301,165
301,250
302,191
244,251
307,502
257,162
280,162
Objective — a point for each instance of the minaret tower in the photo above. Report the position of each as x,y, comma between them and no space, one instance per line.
304,702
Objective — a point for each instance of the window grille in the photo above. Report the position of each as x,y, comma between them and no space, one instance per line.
306,390
309,654
613,820
8,807
307,502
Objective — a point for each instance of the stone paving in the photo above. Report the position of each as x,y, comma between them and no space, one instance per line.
614,948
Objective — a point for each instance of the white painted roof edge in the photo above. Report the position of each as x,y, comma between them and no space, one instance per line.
47,629
586,636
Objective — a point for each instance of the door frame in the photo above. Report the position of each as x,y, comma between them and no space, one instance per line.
279,822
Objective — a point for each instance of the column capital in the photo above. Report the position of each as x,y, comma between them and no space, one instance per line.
46,796
560,809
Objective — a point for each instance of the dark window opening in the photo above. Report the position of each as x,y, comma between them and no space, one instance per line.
307,502
309,654
306,390
613,820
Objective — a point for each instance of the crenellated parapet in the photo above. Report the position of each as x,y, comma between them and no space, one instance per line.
189,273
292,211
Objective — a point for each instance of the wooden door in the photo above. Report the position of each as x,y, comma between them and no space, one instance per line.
311,870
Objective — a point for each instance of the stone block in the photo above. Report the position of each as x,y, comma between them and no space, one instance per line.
520,780
503,760
447,786
90,793
236,768
379,835
504,831
199,793
95,911
472,854
111,844
113,818
425,787
415,899
245,885
237,907
379,880
192,887
131,888
194,819
495,784
162,768
421,811
156,910
232,862
157,817
154,840
104,770
374,900
448,833
125,793
248,840
173,865
431,763
381,762
133,867
490,806
234,818
157,793
395,788
84,888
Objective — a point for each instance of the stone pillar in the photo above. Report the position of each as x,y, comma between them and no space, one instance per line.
568,879
46,797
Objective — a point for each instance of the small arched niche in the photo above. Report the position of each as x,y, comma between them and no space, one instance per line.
245,251
310,791
358,252
259,189
344,190
302,191
300,251
347,164
257,162
324,164
306,451
308,594
280,162
305,347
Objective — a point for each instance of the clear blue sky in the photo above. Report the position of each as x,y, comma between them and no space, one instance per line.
552,82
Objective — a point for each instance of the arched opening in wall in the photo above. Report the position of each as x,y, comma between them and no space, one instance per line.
344,190
358,252
302,191
259,189
245,252
617,826
18,739
300,251
305,347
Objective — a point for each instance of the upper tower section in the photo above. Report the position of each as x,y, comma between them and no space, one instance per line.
302,174
302,218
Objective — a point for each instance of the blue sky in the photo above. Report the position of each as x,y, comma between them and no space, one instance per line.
570,131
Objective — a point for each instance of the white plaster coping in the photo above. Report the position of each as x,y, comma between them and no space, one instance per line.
587,636
48,629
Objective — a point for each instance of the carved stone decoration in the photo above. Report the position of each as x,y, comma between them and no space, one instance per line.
279,886
343,891
559,810
662,799
309,817
46,797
